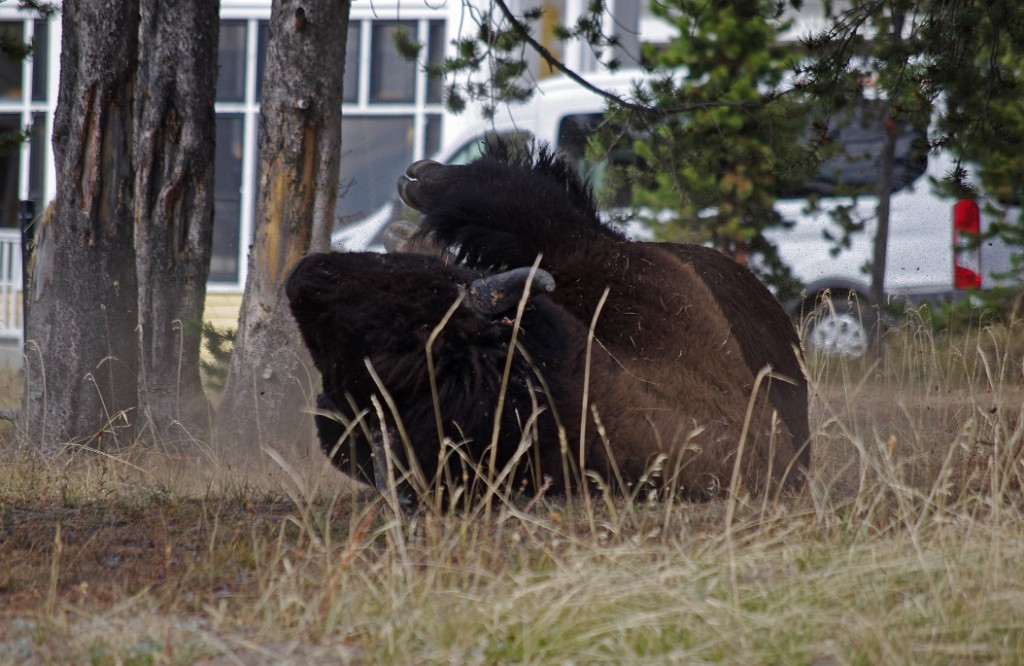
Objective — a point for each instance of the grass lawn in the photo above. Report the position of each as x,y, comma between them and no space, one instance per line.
907,548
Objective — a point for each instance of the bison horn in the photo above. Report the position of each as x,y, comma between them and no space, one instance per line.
499,293
409,182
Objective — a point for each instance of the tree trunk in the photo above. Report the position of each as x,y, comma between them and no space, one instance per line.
81,344
884,185
174,169
271,380
884,190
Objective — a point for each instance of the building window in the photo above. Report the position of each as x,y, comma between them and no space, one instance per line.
435,56
25,118
433,134
40,59
228,198
262,37
231,62
237,109
9,123
390,119
10,68
374,150
350,90
391,116
38,149
392,77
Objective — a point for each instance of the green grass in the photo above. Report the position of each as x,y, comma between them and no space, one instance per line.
908,547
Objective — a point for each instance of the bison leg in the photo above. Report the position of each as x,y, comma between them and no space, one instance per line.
328,428
352,456
379,444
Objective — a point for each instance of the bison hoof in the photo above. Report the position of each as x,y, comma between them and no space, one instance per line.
410,183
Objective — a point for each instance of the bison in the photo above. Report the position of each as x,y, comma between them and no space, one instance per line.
545,348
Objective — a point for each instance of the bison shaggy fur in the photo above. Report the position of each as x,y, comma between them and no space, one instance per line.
651,363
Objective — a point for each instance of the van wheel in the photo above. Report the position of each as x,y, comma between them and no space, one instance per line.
838,326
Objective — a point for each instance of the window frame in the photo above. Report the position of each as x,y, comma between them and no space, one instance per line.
427,116
420,109
249,109
34,105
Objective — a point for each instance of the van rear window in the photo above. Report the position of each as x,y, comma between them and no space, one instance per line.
859,136
574,132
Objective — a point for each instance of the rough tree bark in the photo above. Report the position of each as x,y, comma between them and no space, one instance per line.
270,377
174,169
81,345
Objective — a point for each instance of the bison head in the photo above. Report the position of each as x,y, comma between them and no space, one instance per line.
368,320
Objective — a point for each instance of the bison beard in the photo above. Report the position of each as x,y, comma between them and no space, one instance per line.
362,314
681,334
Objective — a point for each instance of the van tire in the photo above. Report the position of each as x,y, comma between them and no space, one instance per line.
839,324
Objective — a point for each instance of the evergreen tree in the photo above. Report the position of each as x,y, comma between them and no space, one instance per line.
718,134
983,121
720,141
713,137
957,63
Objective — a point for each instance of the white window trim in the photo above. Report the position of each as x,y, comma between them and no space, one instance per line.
25,107
248,109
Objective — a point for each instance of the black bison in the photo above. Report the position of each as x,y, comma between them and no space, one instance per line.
632,362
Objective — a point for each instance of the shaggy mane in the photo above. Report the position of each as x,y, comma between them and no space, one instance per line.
487,227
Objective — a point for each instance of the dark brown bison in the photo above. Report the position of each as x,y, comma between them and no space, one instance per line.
638,361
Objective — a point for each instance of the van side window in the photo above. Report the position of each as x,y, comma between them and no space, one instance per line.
859,136
857,132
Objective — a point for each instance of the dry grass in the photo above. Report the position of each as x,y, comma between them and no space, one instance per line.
907,548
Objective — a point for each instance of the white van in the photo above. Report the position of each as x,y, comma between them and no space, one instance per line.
925,227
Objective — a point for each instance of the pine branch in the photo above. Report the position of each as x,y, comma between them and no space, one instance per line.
555,63
660,111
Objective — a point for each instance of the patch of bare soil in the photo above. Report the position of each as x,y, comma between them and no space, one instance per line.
96,552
